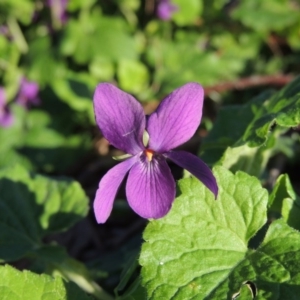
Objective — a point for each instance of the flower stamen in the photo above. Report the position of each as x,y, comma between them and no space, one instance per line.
149,154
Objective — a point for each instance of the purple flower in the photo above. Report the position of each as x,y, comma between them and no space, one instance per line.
6,117
4,30
150,185
165,9
58,8
28,93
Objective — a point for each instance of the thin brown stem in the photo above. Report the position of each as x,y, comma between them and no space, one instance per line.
249,82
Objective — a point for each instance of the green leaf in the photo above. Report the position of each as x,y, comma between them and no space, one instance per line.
13,136
250,160
239,47
185,57
291,212
10,157
200,249
112,34
127,272
74,5
188,11
133,76
22,10
260,15
41,56
76,91
51,149
59,262
233,122
135,292
38,134
102,69
253,122
282,109
17,285
281,190
39,142
33,206
282,246
130,4
285,201
247,291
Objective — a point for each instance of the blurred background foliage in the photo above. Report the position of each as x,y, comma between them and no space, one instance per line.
67,47
53,53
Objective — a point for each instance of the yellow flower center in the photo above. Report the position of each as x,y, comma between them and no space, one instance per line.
149,154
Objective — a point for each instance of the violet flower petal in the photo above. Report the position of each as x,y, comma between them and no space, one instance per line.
165,9
195,166
176,119
59,9
6,119
28,93
120,117
150,188
108,188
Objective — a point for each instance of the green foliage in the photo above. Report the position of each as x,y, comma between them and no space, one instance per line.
260,15
33,206
133,76
204,249
22,10
113,41
42,62
251,160
285,201
58,262
281,190
253,124
75,90
188,11
253,121
17,285
201,249
135,292
34,142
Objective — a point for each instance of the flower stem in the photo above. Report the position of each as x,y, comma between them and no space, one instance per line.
17,34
